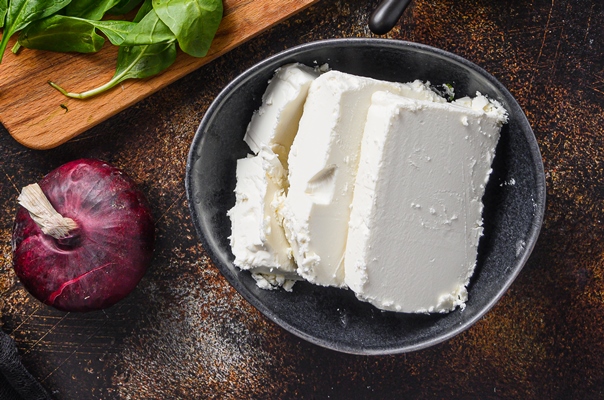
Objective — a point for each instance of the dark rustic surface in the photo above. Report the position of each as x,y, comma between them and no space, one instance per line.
185,333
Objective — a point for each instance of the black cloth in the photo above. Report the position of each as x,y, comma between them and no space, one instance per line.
16,383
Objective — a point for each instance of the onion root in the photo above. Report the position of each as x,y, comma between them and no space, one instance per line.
33,199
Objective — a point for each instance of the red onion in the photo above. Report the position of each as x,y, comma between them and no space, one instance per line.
95,250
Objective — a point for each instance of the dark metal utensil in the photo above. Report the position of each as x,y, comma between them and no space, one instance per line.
386,15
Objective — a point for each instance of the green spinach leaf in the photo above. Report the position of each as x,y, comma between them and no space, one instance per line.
144,61
3,8
146,7
63,33
147,44
194,22
60,33
150,30
133,62
89,9
124,7
116,31
22,12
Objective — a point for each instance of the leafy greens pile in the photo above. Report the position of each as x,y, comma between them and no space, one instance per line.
147,44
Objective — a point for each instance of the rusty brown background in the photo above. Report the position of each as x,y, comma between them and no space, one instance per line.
185,333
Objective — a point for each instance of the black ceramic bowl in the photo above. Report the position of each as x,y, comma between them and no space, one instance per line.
334,318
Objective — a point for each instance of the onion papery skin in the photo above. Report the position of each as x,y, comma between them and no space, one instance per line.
105,258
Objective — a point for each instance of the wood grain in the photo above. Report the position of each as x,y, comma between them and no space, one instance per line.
39,117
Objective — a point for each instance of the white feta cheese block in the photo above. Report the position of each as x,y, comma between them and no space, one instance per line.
275,123
257,238
416,216
322,167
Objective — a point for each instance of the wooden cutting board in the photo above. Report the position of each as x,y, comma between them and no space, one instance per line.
39,117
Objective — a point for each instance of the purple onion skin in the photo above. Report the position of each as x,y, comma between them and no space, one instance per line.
105,258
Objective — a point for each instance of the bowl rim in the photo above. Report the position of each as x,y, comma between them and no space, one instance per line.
530,240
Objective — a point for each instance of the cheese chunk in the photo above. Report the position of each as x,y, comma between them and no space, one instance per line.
322,167
416,214
275,123
257,239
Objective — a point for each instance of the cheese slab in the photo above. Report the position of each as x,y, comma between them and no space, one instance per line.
416,216
257,239
275,123
322,168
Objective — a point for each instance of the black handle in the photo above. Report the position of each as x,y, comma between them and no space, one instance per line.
386,15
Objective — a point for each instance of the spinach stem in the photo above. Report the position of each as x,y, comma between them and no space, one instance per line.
4,42
87,94
93,92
